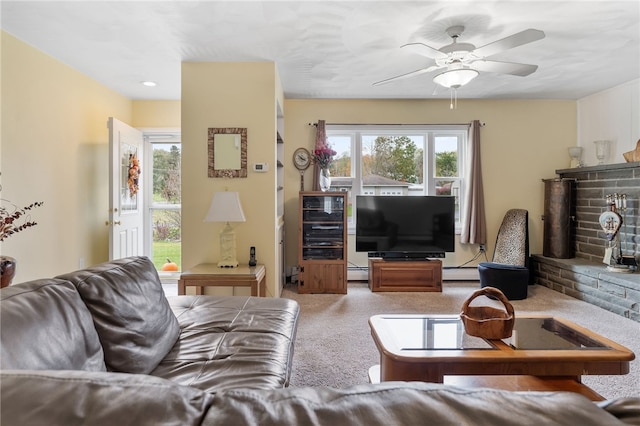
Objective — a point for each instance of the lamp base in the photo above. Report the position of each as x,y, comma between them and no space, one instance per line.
228,264
228,257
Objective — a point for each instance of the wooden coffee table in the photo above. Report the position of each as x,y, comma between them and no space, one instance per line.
544,353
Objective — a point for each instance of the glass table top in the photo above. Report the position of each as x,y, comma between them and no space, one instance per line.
447,333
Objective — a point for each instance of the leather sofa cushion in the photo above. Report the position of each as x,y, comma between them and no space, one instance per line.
46,325
412,403
67,398
131,314
101,399
231,342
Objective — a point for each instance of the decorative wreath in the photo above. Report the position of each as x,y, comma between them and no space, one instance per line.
134,174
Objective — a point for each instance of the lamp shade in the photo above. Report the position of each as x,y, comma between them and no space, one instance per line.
225,207
455,78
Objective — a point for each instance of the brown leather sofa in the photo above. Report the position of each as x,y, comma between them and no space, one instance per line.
104,346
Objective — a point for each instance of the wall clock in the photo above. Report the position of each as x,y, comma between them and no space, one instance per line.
302,161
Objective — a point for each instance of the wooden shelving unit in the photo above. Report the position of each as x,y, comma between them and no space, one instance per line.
322,242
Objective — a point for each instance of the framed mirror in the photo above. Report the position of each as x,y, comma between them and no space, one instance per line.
227,154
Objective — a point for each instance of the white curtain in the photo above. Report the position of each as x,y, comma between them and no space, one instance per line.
474,224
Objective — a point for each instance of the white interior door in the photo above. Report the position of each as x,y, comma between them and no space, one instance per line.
126,216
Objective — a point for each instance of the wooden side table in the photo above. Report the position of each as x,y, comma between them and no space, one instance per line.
210,275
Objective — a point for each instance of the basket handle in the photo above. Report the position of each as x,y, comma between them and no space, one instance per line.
490,291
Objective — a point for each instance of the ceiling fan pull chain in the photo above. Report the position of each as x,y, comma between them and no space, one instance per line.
453,98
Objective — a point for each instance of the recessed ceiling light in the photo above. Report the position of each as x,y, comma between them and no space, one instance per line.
148,83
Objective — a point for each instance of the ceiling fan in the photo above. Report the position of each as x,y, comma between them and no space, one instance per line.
463,61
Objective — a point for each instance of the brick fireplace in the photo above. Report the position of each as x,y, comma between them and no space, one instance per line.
584,276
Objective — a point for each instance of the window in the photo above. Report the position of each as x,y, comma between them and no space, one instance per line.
163,218
398,160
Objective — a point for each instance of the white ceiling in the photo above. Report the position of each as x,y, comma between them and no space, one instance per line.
335,49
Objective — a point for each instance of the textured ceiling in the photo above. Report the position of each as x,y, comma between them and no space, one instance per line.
335,49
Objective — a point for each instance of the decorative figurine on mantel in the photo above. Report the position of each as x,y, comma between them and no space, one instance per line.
611,221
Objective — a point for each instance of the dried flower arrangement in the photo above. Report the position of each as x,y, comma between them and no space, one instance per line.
9,218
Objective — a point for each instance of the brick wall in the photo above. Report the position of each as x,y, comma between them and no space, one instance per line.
592,186
585,277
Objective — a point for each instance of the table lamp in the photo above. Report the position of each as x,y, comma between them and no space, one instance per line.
225,207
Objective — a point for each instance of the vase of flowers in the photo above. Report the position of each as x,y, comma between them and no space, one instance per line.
324,179
12,221
7,270
323,157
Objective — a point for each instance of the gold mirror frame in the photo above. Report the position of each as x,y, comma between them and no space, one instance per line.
227,152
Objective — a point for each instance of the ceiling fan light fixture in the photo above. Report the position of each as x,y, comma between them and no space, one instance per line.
455,78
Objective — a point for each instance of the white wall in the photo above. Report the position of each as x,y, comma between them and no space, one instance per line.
614,115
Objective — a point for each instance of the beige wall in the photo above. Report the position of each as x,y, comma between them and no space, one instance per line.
156,114
523,142
54,149
229,95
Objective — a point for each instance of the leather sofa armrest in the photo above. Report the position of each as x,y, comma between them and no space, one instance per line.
47,397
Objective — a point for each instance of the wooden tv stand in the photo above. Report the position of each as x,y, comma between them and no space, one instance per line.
405,275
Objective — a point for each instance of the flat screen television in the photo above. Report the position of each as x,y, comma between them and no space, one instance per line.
405,227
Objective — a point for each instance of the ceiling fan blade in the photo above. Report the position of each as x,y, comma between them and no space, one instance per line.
407,75
515,40
512,68
424,50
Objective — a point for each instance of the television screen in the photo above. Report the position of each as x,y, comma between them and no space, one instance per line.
405,224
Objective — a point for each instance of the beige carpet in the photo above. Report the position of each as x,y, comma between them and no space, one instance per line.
334,345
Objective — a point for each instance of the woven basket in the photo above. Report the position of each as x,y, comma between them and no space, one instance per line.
485,321
633,156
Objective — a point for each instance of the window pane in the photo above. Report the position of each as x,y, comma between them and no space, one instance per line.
166,237
392,164
446,149
341,166
446,166
165,205
341,174
443,187
166,173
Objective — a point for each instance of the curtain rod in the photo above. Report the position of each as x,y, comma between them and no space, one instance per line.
482,124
